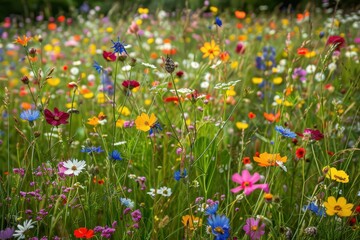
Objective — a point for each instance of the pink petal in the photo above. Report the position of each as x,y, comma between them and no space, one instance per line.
237,178
237,189
245,175
255,178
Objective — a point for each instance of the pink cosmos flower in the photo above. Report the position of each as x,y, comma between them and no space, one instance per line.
56,118
252,228
247,182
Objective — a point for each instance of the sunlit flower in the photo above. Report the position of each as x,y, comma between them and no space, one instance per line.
254,228
336,175
144,122
338,207
220,226
210,50
74,167
23,41
84,233
266,159
247,182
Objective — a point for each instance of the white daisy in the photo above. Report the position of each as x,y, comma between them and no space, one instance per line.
165,191
20,232
152,192
74,167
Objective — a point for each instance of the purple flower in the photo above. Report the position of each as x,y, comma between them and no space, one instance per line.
247,182
253,229
7,233
136,215
300,74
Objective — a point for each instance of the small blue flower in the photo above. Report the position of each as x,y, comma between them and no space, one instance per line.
156,128
92,150
220,226
178,175
127,202
30,115
218,21
285,132
211,210
97,67
115,155
319,211
118,47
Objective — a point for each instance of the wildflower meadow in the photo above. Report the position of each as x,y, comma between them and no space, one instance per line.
187,124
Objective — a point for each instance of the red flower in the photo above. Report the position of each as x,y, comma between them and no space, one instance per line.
84,233
251,115
337,41
300,153
109,56
179,74
56,118
246,160
130,84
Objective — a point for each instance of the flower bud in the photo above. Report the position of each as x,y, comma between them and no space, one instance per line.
25,79
32,52
310,231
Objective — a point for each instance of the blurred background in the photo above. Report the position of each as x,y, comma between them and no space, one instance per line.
23,9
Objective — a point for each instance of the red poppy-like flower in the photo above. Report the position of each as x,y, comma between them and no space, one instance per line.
130,84
302,51
56,118
109,56
173,99
84,233
251,115
179,74
300,153
337,41
246,160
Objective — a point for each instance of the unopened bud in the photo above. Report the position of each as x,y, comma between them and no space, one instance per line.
25,79
32,52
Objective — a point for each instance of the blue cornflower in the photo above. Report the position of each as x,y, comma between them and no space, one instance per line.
211,210
97,67
30,115
218,21
178,174
92,150
156,128
118,47
285,132
319,211
220,226
115,155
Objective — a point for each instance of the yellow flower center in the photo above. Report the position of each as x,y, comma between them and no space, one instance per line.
254,228
146,123
246,184
219,230
337,208
73,168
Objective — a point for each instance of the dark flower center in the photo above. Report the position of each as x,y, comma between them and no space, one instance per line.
337,208
73,168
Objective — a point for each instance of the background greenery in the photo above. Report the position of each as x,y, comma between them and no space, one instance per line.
31,8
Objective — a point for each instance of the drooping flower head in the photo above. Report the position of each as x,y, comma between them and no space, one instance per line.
254,228
285,132
247,182
56,118
338,207
266,159
220,226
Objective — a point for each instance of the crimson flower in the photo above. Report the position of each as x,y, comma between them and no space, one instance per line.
56,118
84,233
130,84
109,56
337,41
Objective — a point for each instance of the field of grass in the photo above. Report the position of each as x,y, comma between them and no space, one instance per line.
194,125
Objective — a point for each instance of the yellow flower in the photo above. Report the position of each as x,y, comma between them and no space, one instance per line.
338,207
101,97
266,159
257,80
191,222
124,111
53,81
210,49
144,122
231,91
120,123
277,80
213,9
94,121
241,125
336,175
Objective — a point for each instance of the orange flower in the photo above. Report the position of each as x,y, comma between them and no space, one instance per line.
302,51
191,222
271,117
266,159
25,105
23,41
224,56
240,14
52,26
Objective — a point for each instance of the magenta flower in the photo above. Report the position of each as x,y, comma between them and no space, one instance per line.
130,84
247,182
336,41
252,228
313,134
56,118
109,56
